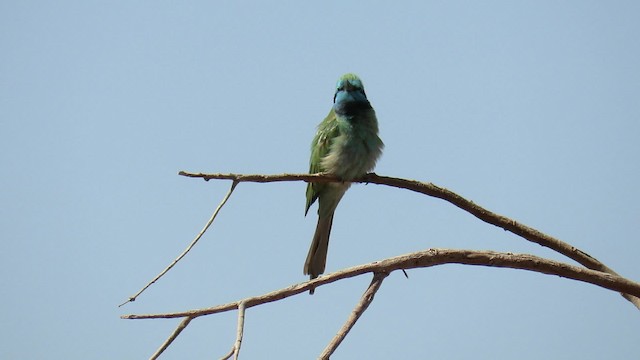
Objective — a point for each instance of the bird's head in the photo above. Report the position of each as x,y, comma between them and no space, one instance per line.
349,89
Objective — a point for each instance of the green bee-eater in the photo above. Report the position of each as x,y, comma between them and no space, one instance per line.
346,145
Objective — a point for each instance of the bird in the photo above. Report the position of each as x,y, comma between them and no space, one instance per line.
347,146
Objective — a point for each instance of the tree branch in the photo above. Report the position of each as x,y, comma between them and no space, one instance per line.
193,243
430,189
235,350
595,272
423,259
360,308
183,324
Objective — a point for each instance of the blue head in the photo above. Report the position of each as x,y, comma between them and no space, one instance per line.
349,89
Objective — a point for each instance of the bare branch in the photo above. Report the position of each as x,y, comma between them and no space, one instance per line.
193,243
596,272
430,189
235,350
229,354
240,331
183,324
427,258
360,308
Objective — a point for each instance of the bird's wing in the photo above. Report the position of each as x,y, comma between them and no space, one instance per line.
327,131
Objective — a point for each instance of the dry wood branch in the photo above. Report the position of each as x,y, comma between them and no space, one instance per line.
360,308
427,258
430,189
229,354
193,243
183,324
235,350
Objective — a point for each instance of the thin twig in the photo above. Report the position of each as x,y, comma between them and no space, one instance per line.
193,243
229,354
430,189
360,308
240,331
235,350
427,258
183,324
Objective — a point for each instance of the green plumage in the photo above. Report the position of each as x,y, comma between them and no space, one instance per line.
346,145
327,130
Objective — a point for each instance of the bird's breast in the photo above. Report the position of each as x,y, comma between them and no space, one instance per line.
354,152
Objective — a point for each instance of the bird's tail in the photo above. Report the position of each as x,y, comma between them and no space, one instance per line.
317,257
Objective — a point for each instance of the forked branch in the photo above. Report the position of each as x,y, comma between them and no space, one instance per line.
235,350
595,272
420,259
423,259
430,189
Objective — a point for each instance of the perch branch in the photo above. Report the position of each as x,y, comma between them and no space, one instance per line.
430,189
193,243
426,258
360,308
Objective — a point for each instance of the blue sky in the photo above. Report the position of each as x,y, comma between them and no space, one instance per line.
527,108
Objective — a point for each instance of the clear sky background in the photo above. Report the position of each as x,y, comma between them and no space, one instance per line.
528,108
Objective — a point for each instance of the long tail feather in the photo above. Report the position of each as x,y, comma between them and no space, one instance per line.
317,256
